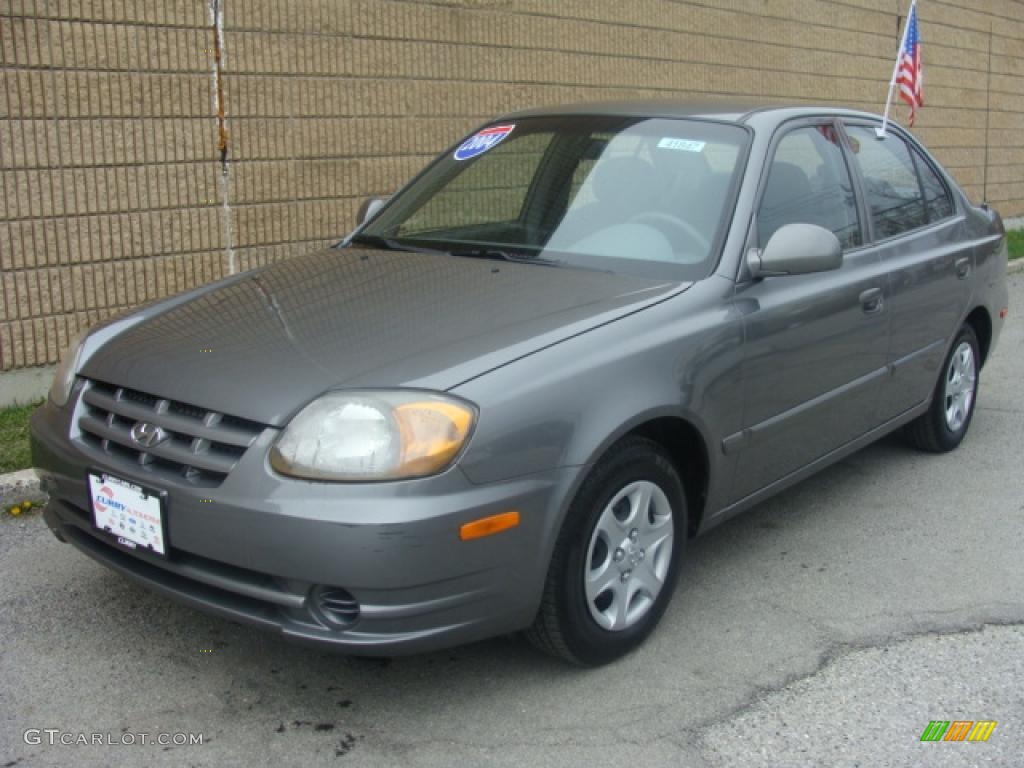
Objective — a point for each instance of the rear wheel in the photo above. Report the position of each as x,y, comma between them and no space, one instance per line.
617,557
943,426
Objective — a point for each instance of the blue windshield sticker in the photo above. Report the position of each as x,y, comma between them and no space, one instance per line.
682,145
487,139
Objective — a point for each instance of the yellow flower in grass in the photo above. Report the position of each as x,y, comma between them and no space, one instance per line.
18,509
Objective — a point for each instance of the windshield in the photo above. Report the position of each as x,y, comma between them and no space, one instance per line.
642,196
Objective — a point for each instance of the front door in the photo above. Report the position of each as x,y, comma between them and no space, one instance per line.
815,345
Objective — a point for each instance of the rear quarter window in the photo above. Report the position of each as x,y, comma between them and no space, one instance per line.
937,199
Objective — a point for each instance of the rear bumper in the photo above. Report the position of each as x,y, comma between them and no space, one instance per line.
261,548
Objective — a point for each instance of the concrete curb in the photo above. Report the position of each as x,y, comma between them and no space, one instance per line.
19,486
1015,266
25,385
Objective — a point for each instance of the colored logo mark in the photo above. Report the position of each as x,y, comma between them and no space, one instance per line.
487,139
103,499
958,730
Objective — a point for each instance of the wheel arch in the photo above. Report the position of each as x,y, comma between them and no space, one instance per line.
687,445
981,324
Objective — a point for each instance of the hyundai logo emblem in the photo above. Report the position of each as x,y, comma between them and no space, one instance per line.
148,435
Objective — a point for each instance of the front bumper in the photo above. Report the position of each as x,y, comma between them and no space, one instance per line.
262,549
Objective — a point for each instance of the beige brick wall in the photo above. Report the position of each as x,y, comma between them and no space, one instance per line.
110,171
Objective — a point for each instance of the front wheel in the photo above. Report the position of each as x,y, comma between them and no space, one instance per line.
943,426
617,557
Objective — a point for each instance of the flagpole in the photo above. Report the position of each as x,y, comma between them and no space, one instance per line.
988,112
880,132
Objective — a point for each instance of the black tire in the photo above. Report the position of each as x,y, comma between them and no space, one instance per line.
564,626
931,431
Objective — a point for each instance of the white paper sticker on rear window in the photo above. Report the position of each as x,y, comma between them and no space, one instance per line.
682,145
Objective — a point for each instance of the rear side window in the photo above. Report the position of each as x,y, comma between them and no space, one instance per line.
890,181
809,183
936,195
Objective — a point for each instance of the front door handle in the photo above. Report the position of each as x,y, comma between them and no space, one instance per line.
963,267
871,301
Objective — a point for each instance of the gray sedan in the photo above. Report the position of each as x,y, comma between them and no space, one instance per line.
579,338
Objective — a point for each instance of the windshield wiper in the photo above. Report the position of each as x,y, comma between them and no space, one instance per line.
390,244
478,252
500,255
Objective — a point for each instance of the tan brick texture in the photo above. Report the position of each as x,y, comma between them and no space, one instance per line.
111,174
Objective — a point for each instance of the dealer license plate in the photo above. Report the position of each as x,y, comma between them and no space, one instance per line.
128,512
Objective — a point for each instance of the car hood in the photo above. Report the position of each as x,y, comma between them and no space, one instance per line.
262,346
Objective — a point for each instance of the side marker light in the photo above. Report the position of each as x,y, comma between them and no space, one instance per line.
487,526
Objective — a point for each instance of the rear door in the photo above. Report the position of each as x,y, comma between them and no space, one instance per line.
921,241
815,345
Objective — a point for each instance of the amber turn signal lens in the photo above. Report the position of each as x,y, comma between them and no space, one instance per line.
487,526
432,434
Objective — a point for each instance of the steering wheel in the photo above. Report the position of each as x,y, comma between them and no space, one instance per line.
672,227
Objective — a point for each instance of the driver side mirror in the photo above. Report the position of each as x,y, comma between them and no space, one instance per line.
369,209
796,249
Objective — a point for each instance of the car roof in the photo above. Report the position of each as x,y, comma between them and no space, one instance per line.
728,111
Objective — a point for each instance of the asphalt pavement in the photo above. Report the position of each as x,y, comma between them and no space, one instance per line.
826,627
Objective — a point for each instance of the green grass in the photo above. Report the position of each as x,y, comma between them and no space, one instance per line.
1015,238
14,452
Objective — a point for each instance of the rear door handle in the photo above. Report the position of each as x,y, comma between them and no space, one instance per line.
871,301
963,267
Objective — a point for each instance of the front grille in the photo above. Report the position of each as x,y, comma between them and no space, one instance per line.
202,446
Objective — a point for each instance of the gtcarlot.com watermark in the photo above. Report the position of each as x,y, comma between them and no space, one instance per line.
56,737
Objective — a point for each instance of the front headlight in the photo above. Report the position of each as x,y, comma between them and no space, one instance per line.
64,377
373,435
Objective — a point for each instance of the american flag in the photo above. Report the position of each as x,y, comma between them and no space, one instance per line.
910,75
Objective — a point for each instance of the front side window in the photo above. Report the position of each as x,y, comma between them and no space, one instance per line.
645,196
890,182
809,183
